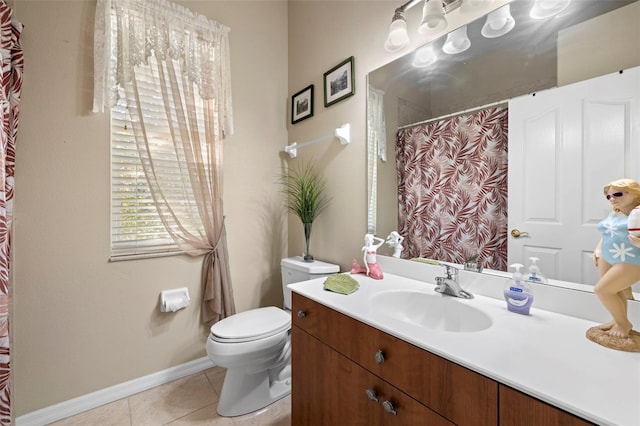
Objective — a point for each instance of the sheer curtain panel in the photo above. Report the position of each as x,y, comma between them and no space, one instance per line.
187,56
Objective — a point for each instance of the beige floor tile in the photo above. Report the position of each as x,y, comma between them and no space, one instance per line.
190,401
216,377
113,414
276,414
171,401
206,416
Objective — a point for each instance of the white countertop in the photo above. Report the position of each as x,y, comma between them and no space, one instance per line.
545,354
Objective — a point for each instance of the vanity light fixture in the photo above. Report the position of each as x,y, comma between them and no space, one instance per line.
457,41
424,56
499,22
543,9
433,19
398,37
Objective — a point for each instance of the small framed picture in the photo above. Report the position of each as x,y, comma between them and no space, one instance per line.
302,105
339,82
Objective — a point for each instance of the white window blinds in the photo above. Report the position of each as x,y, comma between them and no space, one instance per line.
136,227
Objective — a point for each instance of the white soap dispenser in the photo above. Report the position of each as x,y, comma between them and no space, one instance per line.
535,276
517,293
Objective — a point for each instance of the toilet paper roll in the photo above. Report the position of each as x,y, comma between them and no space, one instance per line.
174,300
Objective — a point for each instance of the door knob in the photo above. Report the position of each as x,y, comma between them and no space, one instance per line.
516,233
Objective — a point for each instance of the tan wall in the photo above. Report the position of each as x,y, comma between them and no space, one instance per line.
80,323
599,46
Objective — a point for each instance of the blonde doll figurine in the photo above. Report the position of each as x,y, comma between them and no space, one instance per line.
617,257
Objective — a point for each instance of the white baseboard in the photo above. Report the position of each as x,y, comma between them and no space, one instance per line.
104,396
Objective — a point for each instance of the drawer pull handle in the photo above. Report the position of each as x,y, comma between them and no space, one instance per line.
302,314
389,408
372,395
379,357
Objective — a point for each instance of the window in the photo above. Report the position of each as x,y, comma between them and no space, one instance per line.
136,227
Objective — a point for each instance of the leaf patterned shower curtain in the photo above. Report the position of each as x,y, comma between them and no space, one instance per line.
10,85
452,188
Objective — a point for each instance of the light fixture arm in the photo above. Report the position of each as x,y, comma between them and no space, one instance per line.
343,133
408,5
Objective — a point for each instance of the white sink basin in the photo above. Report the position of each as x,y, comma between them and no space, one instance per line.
432,311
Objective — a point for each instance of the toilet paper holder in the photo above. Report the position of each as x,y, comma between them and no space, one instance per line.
174,299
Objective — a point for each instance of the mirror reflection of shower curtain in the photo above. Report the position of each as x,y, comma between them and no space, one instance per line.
452,188
376,147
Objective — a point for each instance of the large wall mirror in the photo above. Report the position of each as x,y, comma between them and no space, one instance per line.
589,39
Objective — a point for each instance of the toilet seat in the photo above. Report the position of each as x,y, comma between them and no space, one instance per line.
251,325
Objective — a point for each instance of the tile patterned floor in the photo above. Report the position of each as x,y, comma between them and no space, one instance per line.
189,401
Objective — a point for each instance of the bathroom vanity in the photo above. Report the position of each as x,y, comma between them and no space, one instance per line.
353,364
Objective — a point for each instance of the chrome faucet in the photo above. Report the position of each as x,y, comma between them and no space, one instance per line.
449,284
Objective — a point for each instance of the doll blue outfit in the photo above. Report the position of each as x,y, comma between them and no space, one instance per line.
616,247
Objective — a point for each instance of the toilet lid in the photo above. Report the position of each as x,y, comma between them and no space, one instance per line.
252,325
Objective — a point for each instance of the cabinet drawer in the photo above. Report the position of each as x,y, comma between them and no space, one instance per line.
459,394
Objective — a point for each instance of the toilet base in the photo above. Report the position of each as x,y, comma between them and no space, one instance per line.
244,393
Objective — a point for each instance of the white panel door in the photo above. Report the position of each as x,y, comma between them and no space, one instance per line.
565,144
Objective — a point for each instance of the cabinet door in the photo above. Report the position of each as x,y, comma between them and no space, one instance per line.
519,409
329,389
326,389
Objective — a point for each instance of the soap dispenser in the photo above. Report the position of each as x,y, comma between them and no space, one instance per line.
534,274
517,293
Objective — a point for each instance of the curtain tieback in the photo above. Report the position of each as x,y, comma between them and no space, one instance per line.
222,230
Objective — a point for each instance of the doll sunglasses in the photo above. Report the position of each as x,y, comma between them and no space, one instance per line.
615,195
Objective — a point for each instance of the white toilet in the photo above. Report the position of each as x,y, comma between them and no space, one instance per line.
254,346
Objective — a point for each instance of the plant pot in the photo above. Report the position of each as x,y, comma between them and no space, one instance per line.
307,239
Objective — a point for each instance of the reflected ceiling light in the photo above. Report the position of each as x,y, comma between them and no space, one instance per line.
433,19
424,57
499,22
543,9
457,41
398,37
471,5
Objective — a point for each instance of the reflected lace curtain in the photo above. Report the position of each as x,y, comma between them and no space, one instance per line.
188,56
452,188
376,148
12,59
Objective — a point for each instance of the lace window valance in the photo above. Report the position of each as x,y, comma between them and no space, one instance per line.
128,32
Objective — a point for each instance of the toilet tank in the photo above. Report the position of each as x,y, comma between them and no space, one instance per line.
295,269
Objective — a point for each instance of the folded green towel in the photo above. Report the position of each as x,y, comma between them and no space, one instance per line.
341,283
423,260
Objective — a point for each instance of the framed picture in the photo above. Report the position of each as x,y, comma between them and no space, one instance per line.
302,105
339,82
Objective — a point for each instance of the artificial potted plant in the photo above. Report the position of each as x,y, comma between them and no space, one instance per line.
306,195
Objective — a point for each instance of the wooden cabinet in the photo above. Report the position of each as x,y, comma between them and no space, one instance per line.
518,409
346,372
357,357
330,389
